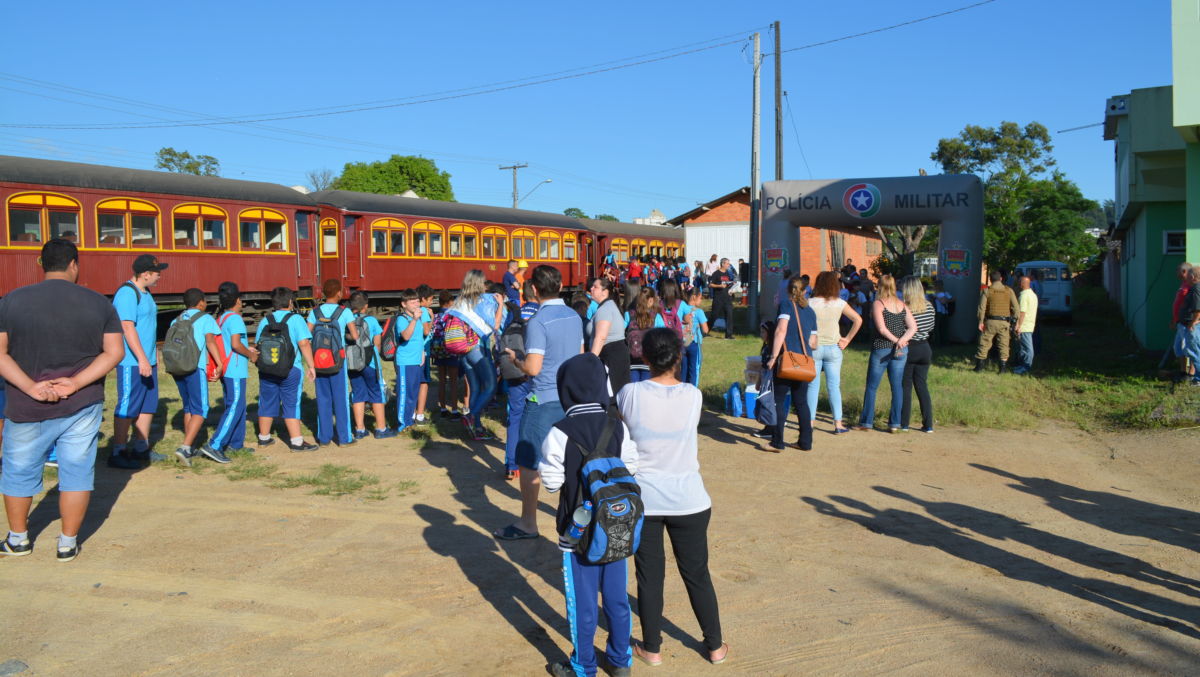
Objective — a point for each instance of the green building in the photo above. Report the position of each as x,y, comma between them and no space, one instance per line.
1157,135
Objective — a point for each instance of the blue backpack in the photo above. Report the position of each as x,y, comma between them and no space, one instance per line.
614,530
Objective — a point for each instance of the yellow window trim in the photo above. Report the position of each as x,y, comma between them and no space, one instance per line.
199,209
464,228
383,223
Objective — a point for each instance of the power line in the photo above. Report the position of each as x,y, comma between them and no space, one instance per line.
796,132
888,28
358,108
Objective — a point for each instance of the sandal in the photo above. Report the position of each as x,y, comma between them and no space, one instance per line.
513,533
512,474
642,655
715,661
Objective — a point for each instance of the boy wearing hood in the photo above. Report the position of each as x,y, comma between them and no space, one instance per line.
584,392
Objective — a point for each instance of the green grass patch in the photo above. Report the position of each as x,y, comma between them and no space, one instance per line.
328,480
246,466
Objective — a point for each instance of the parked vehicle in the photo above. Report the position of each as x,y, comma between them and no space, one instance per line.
1055,281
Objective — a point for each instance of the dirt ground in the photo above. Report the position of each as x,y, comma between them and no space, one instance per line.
1039,552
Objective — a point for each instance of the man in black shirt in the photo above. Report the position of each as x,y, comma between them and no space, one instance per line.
721,306
57,342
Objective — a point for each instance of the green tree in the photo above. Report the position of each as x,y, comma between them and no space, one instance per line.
396,175
1027,215
575,213
606,217
184,162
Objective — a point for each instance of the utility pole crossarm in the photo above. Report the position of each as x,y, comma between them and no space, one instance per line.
514,167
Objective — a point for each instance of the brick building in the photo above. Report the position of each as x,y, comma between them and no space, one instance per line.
722,227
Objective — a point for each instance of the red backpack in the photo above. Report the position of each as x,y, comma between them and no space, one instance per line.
671,318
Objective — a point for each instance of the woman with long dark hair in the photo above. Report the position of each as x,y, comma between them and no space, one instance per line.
662,415
645,316
795,328
606,330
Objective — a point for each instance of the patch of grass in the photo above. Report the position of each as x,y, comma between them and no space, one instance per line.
329,480
248,467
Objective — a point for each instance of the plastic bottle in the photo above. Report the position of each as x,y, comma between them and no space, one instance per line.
579,522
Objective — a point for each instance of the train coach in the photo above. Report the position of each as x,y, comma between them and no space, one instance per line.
263,235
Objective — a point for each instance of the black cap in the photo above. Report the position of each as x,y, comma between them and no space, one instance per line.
146,263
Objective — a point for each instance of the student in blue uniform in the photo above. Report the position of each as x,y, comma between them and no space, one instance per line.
193,388
281,396
518,390
425,294
137,374
694,353
333,390
410,356
367,386
230,434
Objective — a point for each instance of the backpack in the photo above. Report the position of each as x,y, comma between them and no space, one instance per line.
671,319
633,337
276,354
387,342
211,370
361,353
437,340
514,338
179,350
614,529
328,342
458,338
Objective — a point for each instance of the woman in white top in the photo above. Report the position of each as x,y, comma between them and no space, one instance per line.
662,415
827,303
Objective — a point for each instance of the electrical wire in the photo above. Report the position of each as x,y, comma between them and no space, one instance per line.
796,132
888,28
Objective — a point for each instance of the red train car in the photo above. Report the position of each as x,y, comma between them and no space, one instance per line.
263,235
207,228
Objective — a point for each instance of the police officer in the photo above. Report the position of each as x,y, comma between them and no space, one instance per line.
998,307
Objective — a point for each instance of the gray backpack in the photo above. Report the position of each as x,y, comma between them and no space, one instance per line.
179,350
361,353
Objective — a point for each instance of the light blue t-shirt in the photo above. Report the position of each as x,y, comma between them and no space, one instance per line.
143,313
698,318
234,325
409,352
556,333
427,318
202,327
592,308
297,332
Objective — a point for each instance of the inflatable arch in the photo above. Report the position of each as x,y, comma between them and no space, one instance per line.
953,201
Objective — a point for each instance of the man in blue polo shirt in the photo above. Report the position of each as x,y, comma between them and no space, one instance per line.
137,374
552,336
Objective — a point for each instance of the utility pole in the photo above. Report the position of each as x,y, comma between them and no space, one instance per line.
778,107
755,218
514,167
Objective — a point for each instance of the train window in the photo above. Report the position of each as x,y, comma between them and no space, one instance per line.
112,230
274,236
36,217
251,238
462,240
620,250
389,237
302,225
329,241
185,233
214,233
421,244
569,247
427,238
263,230
435,244
522,244
548,247
494,243
455,244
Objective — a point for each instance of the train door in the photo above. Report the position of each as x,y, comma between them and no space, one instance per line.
329,251
353,258
306,264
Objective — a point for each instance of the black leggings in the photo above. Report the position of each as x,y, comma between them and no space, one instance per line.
916,373
689,542
615,356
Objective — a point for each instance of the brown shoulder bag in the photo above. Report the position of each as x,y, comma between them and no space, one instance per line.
796,366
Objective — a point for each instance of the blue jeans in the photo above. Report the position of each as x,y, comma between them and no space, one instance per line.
693,358
27,446
1025,354
829,360
1193,349
477,366
536,422
884,359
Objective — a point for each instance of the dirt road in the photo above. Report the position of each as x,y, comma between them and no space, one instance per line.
1041,552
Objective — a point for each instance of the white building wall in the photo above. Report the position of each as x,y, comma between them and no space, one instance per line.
730,240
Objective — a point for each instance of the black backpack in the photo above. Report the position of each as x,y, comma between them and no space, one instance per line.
512,338
180,353
615,529
328,342
361,353
276,354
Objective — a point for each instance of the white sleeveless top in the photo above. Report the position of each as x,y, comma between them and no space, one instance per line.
662,421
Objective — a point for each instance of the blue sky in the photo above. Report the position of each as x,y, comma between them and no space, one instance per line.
666,135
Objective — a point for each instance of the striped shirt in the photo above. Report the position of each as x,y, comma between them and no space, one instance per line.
924,321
